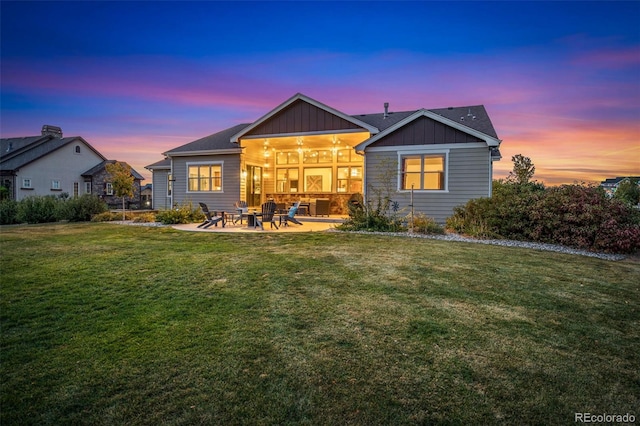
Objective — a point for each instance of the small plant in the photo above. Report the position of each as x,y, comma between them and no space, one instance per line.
426,225
145,218
184,213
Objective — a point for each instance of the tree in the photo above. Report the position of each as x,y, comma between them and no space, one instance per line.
523,170
122,181
628,191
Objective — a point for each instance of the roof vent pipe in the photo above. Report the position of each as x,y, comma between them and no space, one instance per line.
386,109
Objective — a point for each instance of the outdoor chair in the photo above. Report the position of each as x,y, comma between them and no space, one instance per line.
290,217
241,210
209,218
268,215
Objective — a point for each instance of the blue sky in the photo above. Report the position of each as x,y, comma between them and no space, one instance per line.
561,80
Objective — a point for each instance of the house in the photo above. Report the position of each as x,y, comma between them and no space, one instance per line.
610,185
51,164
145,196
304,149
98,179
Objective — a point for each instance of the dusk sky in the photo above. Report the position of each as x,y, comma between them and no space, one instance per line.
560,80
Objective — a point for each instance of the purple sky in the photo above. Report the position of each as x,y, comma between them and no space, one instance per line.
561,80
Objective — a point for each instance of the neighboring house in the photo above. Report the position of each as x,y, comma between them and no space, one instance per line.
51,164
611,185
303,149
145,196
98,179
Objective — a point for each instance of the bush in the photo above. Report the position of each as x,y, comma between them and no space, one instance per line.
8,212
109,216
145,218
184,213
372,216
81,209
577,216
426,225
38,209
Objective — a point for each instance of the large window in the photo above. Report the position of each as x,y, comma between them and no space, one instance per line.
287,180
423,172
317,179
205,177
349,179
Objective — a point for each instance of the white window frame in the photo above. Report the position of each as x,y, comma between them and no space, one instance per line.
87,187
108,189
206,163
424,153
27,183
56,185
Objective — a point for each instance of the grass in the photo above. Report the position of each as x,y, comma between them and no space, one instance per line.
105,324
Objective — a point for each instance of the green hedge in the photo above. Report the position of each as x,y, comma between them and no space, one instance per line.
49,208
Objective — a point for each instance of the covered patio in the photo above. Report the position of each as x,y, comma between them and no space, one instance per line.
310,224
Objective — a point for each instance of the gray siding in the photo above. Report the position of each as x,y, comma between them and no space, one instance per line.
468,178
160,199
221,201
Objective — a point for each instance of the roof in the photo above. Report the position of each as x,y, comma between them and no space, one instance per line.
18,152
471,123
299,96
220,142
158,165
98,168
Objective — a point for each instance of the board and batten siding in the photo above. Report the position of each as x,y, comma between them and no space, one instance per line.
468,176
220,200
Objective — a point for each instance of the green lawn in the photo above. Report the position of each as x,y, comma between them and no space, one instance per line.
105,324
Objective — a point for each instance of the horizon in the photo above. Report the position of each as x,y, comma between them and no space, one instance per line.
560,80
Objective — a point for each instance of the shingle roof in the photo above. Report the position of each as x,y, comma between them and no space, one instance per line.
95,169
216,141
18,152
162,164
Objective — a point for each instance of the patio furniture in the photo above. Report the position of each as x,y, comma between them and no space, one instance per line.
209,218
268,215
320,207
290,217
241,212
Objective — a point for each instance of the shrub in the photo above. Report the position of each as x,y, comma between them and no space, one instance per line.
8,212
184,213
145,218
426,225
81,209
109,216
38,209
373,216
577,216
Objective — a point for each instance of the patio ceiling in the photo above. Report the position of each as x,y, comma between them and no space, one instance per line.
323,141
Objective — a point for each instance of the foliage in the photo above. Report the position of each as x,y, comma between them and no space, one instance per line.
39,209
109,216
144,218
184,213
575,215
523,170
81,209
4,193
628,191
377,214
426,225
122,181
8,212
307,329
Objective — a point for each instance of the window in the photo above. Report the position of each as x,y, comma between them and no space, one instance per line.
317,179
26,183
169,185
76,186
349,179
287,157
87,187
77,149
348,156
314,157
423,172
205,177
109,189
287,180
55,185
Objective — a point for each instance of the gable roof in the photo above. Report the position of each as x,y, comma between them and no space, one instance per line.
98,168
160,165
18,152
220,142
300,97
470,126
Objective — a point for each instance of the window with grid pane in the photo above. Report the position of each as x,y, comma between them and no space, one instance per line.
423,172
205,177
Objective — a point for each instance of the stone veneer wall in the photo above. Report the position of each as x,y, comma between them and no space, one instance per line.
99,188
338,202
